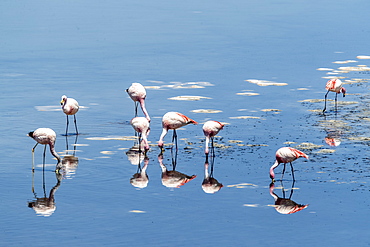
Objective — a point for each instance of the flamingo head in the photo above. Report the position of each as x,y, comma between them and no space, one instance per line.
343,91
64,99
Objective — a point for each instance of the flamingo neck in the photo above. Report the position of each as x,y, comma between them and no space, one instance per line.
54,153
164,132
142,105
272,174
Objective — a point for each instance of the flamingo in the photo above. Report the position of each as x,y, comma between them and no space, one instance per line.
286,155
173,120
137,93
70,107
334,85
45,136
210,129
141,125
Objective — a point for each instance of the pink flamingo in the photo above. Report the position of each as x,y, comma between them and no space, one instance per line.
334,85
138,94
210,129
44,136
141,125
70,107
173,120
286,155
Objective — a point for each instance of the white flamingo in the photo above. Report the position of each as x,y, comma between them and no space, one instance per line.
70,107
173,120
45,136
210,129
141,126
137,93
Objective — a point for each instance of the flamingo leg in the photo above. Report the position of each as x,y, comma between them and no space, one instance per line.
174,138
43,160
336,102
326,95
74,116
136,105
212,147
33,157
291,166
67,126
282,175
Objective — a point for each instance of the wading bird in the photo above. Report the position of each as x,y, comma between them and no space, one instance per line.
173,120
141,126
45,136
210,129
137,93
70,107
286,155
334,85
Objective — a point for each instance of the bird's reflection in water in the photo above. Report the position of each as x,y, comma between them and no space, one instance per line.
210,185
285,205
70,161
140,179
134,155
173,179
334,130
45,206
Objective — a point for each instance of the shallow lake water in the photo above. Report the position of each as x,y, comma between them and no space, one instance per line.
260,67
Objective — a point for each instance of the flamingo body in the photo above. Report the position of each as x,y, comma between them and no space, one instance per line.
210,129
285,155
173,120
70,107
141,125
137,93
45,136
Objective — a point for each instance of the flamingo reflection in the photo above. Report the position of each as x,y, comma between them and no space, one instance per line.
210,185
140,179
173,179
285,205
45,206
70,161
134,155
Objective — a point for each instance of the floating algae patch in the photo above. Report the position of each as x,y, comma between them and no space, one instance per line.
245,117
223,146
248,94
137,211
235,141
346,61
355,69
308,145
359,138
107,152
289,143
264,83
326,151
312,100
119,138
256,145
270,110
324,69
190,98
250,205
206,111
363,57
347,102
242,185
